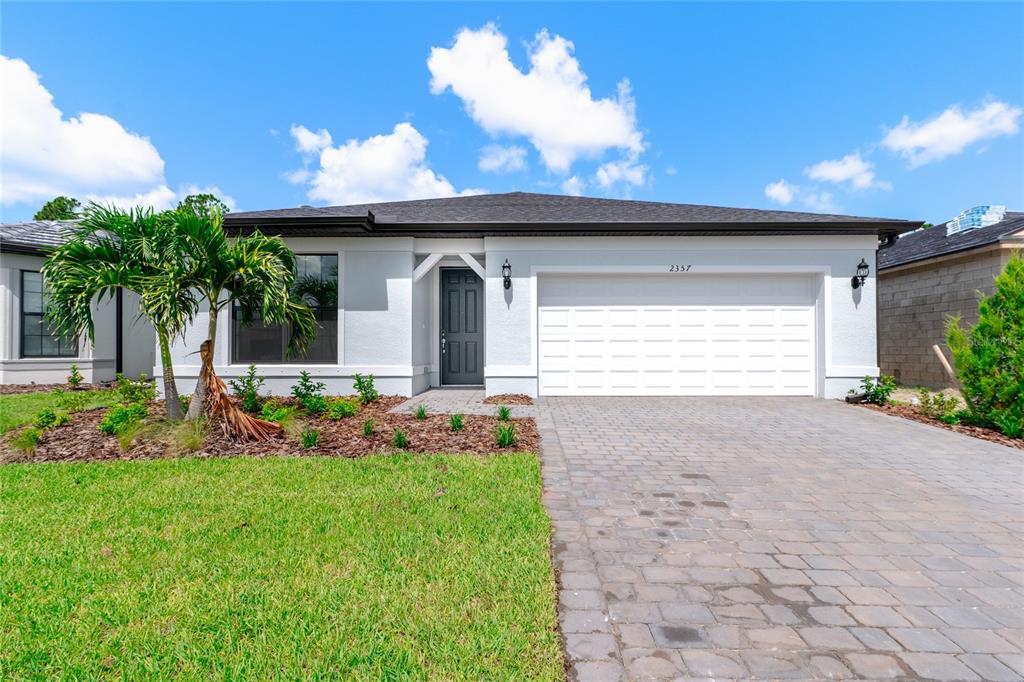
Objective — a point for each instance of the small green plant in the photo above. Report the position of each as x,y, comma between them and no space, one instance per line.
342,408
505,435
273,411
134,391
72,402
365,388
185,401
368,427
247,389
45,419
62,419
310,394
421,412
504,413
455,421
309,438
75,378
399,439
950,419
27,440
120,418
189,435
938,405
878,390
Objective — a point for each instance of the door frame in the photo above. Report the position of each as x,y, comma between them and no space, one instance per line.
438,312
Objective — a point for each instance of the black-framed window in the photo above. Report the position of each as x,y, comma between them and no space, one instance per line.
316,282
37,338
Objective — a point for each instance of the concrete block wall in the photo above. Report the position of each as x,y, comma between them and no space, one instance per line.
913,305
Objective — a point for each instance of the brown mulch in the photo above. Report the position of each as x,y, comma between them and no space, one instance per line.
980,432
81,440
14,389
509,399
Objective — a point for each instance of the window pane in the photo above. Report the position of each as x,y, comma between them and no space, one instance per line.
32,346
32,302
37,340
50,346
31,281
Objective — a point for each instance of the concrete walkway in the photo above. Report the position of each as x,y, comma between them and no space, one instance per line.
773,538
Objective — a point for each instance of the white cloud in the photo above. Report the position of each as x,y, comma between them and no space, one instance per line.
785,193
45,154
626,170
308,142
951,132
551,104
851,168
573,186
389,167
671,170
780,192
497,159
160,198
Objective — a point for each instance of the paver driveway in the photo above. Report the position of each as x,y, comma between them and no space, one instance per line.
781,538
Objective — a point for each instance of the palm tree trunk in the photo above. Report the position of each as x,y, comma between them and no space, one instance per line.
195,407
173,403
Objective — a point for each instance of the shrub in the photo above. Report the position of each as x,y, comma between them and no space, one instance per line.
878,390
247,389
989,357
938,405
75,378
62,419
27,440
310,394
399,439
275,412
421,412
309,438
505,435
72,402
137,391
950,419
504,413
368,427
121,418
365,388
456,422
45,419
340,408
185,401
189,435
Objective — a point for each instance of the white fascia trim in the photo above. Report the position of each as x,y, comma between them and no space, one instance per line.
474,265
685,242
426,266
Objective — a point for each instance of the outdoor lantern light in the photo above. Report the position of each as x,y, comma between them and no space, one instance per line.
506,274
862,274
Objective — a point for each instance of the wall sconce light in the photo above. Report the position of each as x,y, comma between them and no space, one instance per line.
862,274
506,274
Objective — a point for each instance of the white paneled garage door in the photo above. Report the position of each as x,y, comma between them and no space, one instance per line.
682,334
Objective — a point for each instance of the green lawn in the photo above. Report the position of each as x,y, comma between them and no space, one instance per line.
389,567
21,408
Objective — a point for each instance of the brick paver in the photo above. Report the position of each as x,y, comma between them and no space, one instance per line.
769,538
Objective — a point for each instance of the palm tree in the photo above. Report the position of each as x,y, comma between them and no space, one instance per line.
111,249
254,272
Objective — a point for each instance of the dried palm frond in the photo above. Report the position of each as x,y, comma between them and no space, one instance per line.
233,421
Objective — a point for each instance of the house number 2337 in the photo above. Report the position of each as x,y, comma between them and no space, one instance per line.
679,268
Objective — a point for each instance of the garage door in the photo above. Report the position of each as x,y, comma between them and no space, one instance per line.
676,335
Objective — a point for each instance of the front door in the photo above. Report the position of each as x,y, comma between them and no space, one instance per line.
462,329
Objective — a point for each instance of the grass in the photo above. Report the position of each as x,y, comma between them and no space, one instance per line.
21,408
384,568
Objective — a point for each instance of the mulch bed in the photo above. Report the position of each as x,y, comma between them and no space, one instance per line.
980,432
81,440
509,399
14,389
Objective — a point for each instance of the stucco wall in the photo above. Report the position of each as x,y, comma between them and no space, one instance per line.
914,303
847,334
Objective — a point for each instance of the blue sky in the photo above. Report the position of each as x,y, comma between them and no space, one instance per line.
909,110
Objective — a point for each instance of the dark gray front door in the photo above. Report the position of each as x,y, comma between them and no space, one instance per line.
462,327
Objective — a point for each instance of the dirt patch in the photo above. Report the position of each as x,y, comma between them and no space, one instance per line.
14,389
81,440
980,432
509,399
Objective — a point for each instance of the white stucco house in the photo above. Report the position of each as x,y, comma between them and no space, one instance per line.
559,295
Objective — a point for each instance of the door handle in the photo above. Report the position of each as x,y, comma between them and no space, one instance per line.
444,343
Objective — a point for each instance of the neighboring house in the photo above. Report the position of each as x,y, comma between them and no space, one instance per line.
927,276
559,295
29,352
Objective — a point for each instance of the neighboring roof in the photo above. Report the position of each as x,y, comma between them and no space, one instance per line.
520,213
34,236
933,242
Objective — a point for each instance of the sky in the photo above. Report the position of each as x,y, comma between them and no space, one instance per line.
893,110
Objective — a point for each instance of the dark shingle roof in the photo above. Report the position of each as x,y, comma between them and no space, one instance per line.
922,244
34,236
550,213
